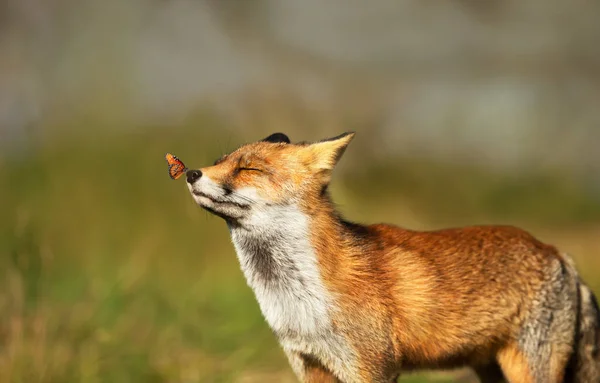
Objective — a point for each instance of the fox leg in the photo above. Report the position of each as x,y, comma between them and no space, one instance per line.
518,367
309,370
319,374
515,365
541,351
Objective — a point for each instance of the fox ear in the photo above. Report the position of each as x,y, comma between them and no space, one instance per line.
277,137
325,154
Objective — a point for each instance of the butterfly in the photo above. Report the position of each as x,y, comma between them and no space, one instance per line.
176,167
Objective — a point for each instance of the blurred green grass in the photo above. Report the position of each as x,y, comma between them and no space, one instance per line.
110,273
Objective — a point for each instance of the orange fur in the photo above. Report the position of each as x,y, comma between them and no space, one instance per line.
515,365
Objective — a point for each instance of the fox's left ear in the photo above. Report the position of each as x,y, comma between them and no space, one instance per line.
277,137
324,155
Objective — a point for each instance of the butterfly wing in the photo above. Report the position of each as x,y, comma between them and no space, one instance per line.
176,171
176,166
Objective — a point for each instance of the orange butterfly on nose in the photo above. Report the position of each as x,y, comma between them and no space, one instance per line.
176,167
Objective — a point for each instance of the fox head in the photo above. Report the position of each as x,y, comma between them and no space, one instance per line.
270,173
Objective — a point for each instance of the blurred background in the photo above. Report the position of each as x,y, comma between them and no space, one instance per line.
467,112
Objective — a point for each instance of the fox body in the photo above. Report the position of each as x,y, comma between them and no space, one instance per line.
353,303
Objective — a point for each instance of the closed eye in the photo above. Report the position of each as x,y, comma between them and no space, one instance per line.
251,169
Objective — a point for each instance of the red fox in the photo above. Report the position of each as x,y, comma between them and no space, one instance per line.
353,303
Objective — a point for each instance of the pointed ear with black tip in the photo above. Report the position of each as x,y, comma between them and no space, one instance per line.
277,137
324,155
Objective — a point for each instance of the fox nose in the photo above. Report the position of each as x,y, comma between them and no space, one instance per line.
193,176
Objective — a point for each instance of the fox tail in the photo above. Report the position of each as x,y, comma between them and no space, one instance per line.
584,366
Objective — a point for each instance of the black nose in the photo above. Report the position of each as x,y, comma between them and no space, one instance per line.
193,175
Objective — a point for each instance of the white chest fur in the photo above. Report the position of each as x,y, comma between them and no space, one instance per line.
280,265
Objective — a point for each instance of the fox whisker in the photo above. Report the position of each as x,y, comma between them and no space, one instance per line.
242,197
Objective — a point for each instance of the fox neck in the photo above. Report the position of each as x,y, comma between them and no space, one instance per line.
280,264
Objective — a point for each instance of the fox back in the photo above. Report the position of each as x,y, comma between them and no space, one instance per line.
355,303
